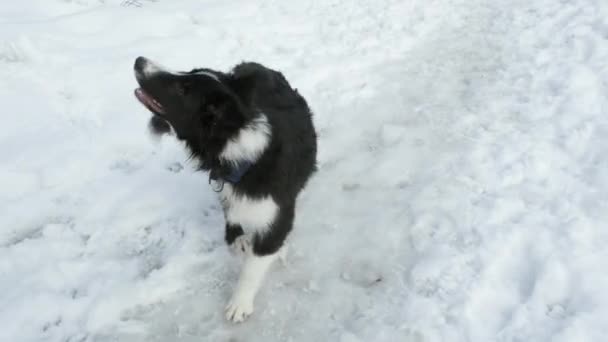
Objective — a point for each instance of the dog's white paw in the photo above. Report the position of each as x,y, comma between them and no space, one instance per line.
241,245
238,309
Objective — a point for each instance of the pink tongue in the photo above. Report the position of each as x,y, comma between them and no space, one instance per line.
147,100
141,96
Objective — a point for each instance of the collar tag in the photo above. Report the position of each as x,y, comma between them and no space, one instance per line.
217,185
217,182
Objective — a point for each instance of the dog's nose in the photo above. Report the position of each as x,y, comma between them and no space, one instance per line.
140,63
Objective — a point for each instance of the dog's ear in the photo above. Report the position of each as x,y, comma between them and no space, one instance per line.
219,106
243,89
215,106
242,81
222,109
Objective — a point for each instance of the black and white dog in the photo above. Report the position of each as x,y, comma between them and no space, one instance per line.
254,134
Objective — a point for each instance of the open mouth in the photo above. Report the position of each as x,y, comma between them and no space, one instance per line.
148,101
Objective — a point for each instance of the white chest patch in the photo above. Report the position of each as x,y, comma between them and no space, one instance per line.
252,214
249,143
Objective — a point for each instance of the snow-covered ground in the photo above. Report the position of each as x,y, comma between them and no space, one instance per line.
462,193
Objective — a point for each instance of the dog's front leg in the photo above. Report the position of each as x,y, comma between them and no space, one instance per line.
233,231
251,278
262,249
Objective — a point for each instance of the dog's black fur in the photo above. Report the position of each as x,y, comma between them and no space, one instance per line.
205,113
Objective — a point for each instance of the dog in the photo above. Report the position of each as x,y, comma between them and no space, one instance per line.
254,134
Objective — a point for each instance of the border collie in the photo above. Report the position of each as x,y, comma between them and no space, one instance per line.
254,134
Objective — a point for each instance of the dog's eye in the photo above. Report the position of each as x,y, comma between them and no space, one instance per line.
210,112
213,109
184,88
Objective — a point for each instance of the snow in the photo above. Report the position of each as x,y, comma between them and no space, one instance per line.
462,192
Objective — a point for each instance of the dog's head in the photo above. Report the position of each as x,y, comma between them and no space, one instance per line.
199,105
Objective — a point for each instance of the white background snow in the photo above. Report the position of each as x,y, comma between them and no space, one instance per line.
462,192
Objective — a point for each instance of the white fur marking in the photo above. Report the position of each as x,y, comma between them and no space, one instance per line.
241,245
251,214
150,68
206,73
249,143
252,275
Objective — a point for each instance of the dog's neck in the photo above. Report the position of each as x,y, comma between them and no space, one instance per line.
241,151
231,174
248,143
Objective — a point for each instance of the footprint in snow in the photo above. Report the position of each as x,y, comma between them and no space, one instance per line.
175,167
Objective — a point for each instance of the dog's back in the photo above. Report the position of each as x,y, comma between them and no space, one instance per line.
291,157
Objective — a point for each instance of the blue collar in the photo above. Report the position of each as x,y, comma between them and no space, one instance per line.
238,172
233,177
